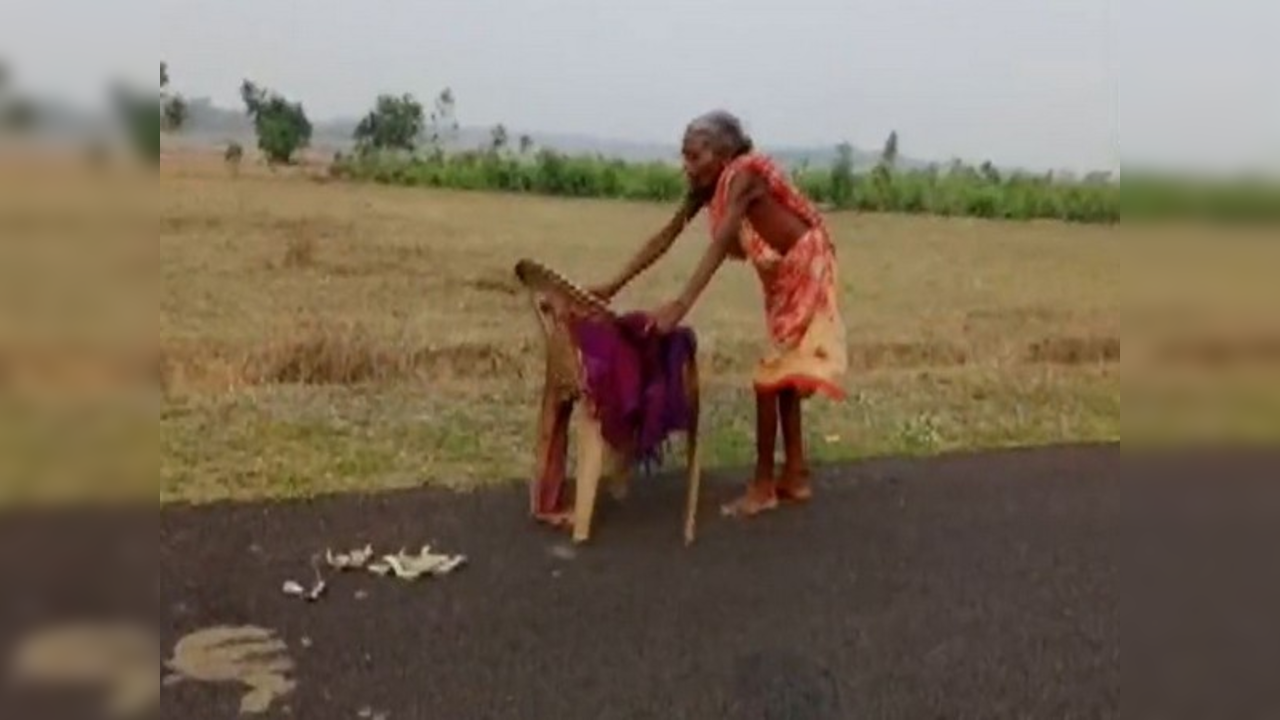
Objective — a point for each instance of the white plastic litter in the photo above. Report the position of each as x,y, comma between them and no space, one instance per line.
411,567
349,560
295,588
402,565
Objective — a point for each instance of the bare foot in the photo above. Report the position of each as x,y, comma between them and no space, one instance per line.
761,496
794,486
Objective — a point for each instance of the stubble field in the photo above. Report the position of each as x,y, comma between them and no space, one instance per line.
320,336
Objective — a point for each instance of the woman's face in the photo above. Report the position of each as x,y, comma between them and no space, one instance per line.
701,164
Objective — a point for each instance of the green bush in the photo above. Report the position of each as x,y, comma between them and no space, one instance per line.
282,126
957,191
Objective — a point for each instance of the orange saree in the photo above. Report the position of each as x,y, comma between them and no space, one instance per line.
801,292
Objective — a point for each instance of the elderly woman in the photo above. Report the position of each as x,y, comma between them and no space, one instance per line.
758,216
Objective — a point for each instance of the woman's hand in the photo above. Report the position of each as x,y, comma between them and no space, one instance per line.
605,292
744,189
666,318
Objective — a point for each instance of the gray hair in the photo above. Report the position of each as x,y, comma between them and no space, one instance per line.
724,130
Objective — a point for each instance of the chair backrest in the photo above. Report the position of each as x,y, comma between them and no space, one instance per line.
557,303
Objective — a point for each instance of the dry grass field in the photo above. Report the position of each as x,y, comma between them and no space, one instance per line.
318,336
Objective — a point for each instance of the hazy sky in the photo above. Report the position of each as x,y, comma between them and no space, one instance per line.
1042,83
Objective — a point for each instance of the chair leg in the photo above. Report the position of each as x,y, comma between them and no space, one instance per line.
545,455
694,458
619,469
590,464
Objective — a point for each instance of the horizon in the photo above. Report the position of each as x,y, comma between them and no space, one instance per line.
1021,85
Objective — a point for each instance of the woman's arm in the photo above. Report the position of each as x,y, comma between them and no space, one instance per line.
744,189
654,248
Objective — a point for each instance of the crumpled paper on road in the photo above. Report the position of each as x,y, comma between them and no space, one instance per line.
411,567
318,585
402,565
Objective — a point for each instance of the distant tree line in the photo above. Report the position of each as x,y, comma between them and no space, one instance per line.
396,144
399,142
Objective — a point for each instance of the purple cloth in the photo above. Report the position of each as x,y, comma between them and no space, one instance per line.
634,377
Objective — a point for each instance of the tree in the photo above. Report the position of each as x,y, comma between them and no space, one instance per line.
282,126
395,123
444,125
173,108
175,114
989,172
842,175
889,156
498,138
526,144
882,182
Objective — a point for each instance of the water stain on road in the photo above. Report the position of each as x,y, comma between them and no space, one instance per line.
119,664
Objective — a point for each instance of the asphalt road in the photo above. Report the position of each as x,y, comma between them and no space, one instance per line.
983,586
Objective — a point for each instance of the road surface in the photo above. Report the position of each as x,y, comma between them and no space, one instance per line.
970,586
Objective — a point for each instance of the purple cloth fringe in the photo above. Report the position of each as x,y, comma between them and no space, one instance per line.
635,379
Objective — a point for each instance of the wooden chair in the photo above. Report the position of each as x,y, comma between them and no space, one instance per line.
557,302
